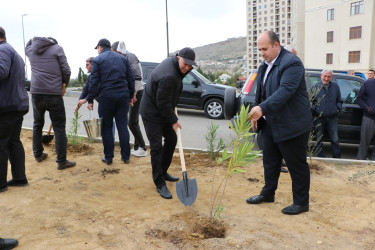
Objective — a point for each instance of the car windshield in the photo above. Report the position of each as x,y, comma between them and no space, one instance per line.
204,79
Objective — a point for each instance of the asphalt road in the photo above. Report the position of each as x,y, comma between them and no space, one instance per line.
194,126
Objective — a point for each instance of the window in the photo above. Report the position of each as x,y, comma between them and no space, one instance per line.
330,14
329,58
330,37
356,8
354,56
355,32
349,89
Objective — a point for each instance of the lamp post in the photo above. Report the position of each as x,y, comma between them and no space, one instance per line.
23,32
166,15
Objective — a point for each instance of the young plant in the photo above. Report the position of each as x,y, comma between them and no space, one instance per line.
239,154
214,145
73,137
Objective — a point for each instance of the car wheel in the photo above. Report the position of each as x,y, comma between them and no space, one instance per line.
229,103
260,140
214,108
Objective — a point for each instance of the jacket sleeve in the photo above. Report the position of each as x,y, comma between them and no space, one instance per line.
164,98
130,78
5,63
65,69
85,89
361,97
314,92
93,82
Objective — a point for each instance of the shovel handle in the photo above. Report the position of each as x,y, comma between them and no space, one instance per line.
50,128
180,149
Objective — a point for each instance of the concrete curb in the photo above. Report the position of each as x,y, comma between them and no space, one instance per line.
187,149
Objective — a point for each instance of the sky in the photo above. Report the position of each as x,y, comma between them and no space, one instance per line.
141,24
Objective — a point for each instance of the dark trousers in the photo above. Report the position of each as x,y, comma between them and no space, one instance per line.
115,105
11,146
367,134
161,155
134,122
294,151
328,124
54,104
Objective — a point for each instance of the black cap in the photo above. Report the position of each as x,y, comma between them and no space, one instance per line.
188,54
104,43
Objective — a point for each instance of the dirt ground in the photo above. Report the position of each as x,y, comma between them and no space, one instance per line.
95,206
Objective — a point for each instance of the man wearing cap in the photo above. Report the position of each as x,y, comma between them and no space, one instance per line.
112,79
159,100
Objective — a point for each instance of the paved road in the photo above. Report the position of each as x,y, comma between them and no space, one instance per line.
194,126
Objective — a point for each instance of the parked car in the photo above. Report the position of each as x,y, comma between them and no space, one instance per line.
349,119
197,92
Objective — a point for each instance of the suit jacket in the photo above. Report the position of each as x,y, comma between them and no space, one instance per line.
283,98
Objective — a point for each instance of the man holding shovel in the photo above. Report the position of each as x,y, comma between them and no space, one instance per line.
49,71
157,110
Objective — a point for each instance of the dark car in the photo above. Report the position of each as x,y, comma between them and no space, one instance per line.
349,119
197,92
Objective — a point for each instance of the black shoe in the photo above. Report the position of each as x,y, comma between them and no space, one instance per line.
171,178
107,161
19,183
125,161
7,244
3,189
259,199
66,164
164,192
295,209
283,169
42,157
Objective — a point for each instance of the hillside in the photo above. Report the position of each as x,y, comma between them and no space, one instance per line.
227,56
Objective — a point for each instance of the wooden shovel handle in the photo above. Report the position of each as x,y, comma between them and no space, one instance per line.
180,149
50,128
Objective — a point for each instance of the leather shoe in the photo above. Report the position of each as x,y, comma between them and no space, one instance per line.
125,161
19,183
8,243
65,164
42,157
107,161
3,189
295,209
259,199
171,178
164,192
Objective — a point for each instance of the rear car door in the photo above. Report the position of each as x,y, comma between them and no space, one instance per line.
191,92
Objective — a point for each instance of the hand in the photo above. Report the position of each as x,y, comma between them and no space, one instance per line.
76,108
90,106
63,89
254,125
175,126
255,113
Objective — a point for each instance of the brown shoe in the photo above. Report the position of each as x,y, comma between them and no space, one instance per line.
66,164
42,157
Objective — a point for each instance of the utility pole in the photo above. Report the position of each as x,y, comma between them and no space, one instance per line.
166,15
24,51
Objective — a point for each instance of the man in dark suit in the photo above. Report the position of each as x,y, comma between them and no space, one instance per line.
282,111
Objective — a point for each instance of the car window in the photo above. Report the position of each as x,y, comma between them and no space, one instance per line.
188,79
311,80
349,89
200,76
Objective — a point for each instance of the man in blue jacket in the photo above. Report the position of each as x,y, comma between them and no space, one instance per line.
282,112
112,79
14,104
326,104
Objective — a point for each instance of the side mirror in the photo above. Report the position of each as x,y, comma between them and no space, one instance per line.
195,83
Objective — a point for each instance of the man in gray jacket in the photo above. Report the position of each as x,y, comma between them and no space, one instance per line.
49,71
14,104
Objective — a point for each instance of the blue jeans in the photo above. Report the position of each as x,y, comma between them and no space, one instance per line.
115,105
328,124
55,105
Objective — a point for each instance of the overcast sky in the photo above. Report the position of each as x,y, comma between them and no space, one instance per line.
78,25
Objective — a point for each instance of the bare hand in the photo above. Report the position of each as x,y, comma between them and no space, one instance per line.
255,113
254,125
90,106
175,126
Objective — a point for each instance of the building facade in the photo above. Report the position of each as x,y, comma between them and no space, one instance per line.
340,34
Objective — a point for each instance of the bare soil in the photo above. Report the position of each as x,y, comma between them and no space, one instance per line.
95,206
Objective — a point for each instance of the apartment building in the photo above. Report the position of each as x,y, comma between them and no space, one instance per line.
340,34
285,17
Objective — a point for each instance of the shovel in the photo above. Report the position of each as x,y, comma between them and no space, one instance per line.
186,189
48,138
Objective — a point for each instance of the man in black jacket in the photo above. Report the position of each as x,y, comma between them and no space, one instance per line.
157,110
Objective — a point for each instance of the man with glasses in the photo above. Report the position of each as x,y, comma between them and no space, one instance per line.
159,101
370,74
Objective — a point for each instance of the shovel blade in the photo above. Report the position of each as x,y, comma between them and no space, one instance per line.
187,191
47,138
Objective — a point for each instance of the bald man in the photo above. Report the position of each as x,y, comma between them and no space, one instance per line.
282,112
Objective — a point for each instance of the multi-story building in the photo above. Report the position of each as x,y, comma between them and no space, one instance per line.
281,16
340,34
336,34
